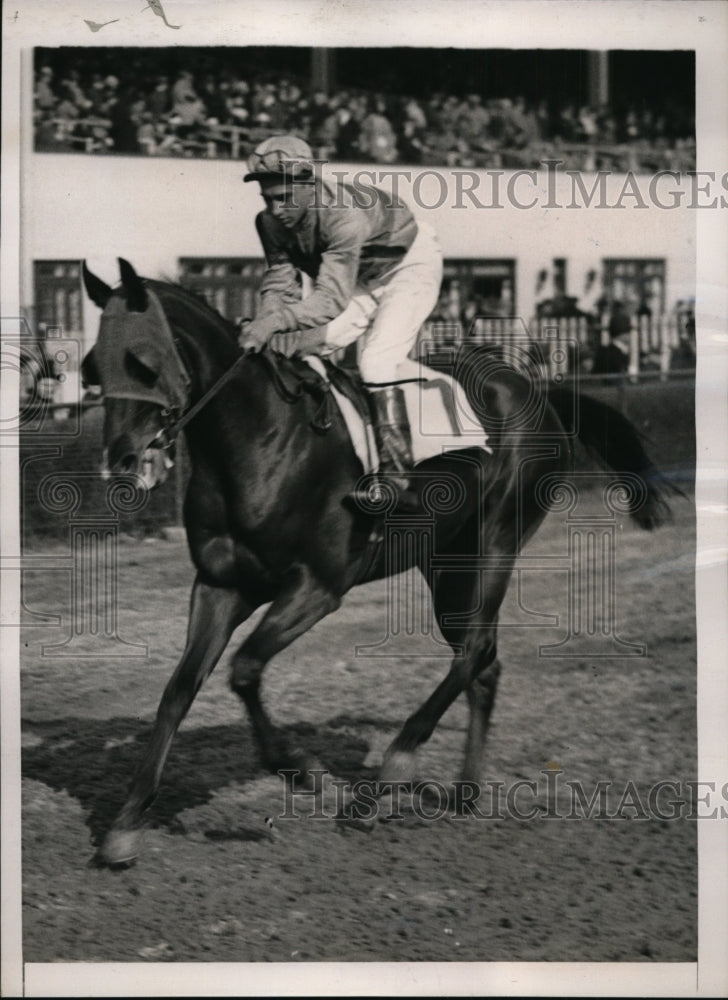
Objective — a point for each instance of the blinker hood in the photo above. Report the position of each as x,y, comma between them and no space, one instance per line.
136,356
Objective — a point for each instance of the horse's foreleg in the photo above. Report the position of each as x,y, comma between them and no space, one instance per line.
303,602
214,615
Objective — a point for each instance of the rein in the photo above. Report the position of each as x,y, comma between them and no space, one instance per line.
173,427
321,421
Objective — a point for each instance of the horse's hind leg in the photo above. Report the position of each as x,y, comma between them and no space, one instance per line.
214,615
481,698
303,602
467,606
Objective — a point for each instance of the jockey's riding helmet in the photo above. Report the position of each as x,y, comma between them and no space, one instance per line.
281,156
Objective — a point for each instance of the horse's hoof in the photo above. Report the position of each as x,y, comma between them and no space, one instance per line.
348,819
302,771
120,847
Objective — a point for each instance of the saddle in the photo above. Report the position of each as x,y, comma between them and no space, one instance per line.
440,415
292,376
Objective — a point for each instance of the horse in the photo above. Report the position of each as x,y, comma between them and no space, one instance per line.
266,520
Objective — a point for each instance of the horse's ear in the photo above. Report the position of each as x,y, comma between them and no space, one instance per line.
89,370
143,362
96,289
136,293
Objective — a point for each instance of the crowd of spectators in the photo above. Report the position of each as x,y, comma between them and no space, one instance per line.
223,114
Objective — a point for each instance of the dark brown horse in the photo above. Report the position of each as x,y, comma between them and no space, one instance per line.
266,524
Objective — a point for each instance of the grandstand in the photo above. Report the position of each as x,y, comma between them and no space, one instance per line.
470,108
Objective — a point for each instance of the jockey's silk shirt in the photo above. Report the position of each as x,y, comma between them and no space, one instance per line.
349,239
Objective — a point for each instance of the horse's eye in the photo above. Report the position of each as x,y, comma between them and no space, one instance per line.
141,366
89,370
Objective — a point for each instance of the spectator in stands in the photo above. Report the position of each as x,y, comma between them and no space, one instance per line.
542,115
147,135
159,100
49,138
318,109
412,142
521,125
472,123
350,118
377,140
72,84
620,322
324,137
183,90
272,113
613,358
98,96
606,126
413,113
45,98
67,107
684,356
238,112
587,124
124,128
188,110
566,128
213,98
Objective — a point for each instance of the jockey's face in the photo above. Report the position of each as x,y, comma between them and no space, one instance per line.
287,202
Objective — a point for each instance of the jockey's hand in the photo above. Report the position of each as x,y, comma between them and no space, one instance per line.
310,341
256,333
302,342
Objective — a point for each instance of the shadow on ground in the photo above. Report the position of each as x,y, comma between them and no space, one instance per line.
94,761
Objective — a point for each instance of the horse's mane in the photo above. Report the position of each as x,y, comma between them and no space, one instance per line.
194,299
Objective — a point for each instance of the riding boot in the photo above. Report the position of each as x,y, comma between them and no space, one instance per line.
394,444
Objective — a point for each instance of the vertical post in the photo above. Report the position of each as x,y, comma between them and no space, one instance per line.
634,352
322,70
605,330
598,63
664,348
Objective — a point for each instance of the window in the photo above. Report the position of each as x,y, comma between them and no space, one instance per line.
477,288
638,284
57,285
229,284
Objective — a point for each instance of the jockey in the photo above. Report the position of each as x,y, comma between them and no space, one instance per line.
376,276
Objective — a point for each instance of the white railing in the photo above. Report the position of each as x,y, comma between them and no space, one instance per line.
237,141
565,345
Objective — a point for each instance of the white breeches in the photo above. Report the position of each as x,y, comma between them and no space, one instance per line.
388,318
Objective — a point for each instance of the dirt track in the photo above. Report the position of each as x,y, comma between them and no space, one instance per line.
216,882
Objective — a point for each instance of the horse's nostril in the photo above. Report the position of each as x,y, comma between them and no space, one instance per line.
128,463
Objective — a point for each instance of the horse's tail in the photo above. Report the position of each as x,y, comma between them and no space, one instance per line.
614,440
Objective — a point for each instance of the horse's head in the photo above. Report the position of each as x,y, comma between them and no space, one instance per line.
141,375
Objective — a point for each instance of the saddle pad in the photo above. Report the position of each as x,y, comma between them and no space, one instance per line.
440,416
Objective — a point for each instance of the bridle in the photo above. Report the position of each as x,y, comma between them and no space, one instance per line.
175,419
